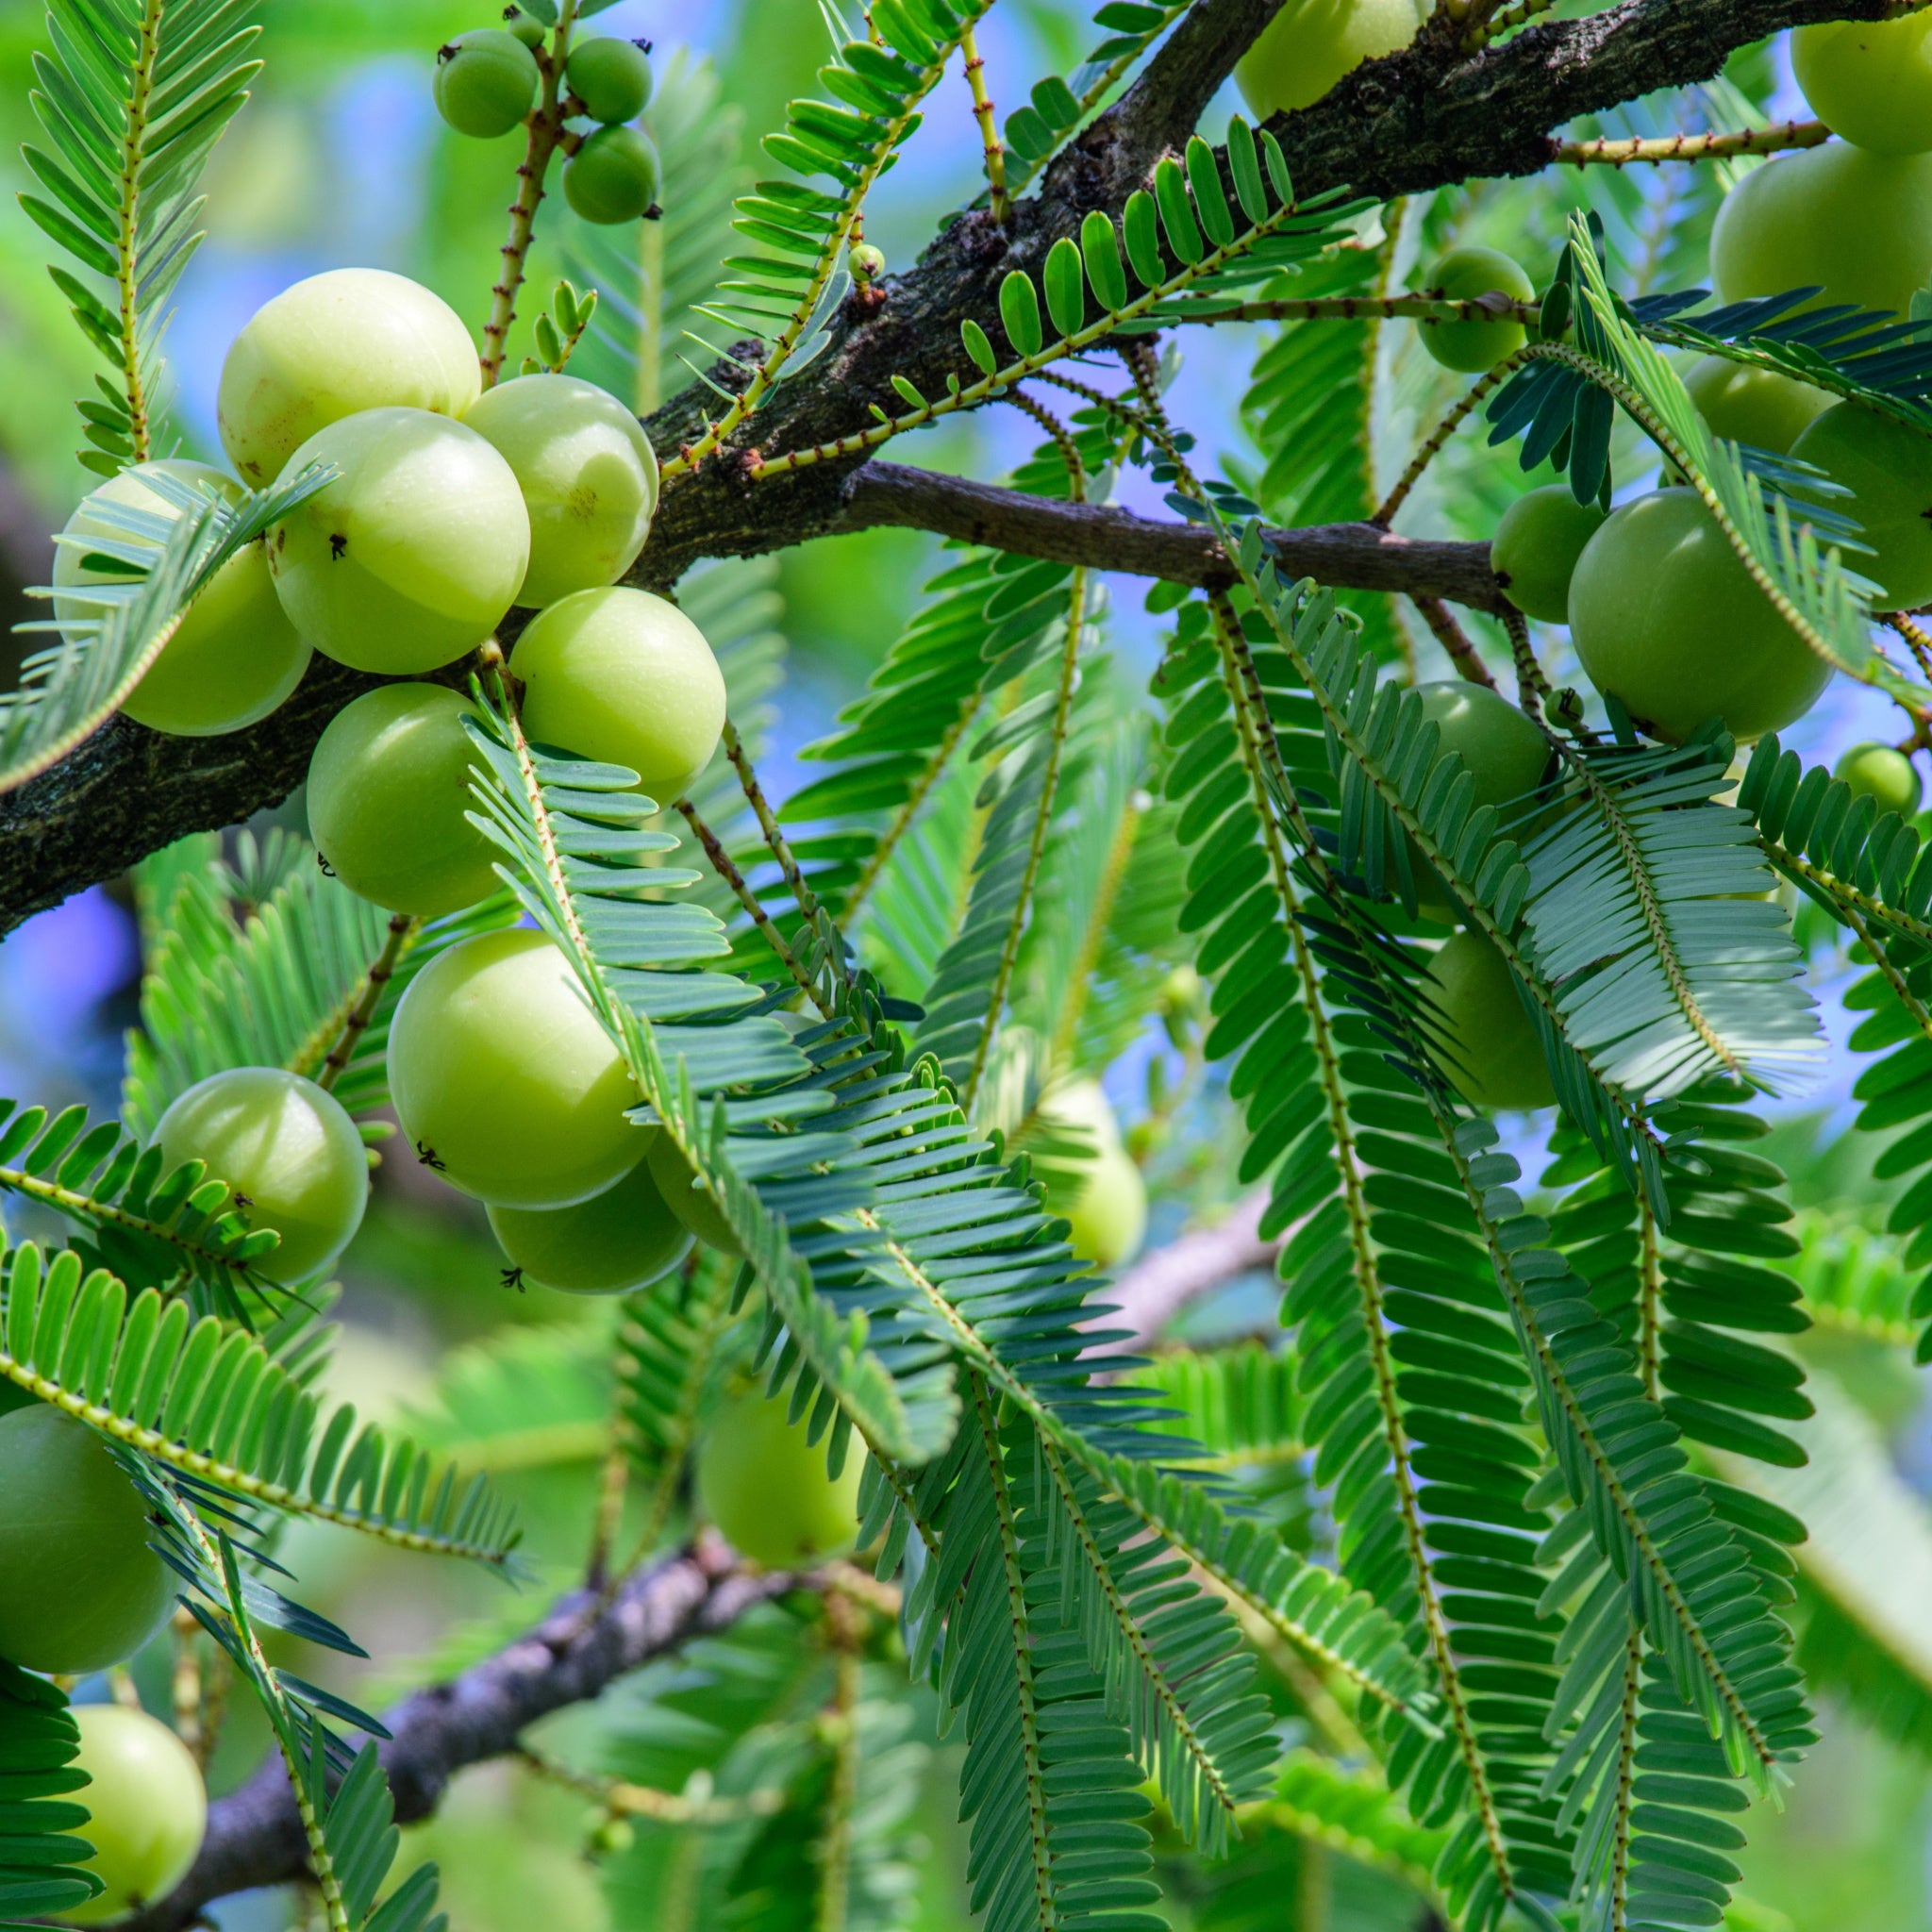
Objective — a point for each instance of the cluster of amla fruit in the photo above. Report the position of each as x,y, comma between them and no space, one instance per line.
488,84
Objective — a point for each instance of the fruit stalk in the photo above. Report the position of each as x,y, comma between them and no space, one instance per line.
1456,641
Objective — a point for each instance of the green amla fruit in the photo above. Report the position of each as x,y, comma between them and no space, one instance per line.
1886,465
1490,1052
389,801
1104,1199
612,177
79,1588
611,77
1884,774
235,657
587,473
1755,406
287,1150
354,339
622,1239
1462,276
147,1810
868,264
533,33
693,1204
766,1487
1536,546
1870,81
1310,44
411,556
486,82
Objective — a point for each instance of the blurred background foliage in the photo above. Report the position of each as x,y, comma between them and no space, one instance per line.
338,160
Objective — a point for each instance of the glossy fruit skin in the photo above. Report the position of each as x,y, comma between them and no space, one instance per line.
1887,468
1537,540
1666,618
587,473
1884,774
1105,1201
79,1588
388,791
149,1810
1310,44
1870,81
531,32
622,1239
692,1205
498,1067
611,77
236,656
613,177
766,1489
623,677
289,1147
1461,275
351,339
486,82
1492,1055
1856,224
413,554
1755,406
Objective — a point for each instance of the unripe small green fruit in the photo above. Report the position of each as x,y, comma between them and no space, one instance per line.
1104,1200
1755,406
486,82
1870,81
622,1239
531,32
148,1809
766,1489
623,677
868,264
611,1838
236,656
587,473
79,1588
611,77
389,797
354,339
286,1147
503,1079
1491,1053
693,1205
613,177
1857,225
413,554
1462,276
1887,466
1310,44
1536,543
1884,774
1666,618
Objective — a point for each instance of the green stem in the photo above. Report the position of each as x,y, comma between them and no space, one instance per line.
129,218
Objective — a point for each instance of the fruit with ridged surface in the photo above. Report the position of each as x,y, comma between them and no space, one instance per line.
1870,81
147,1807
1666,619
1490,1052
389,798
611,77
766,1488
235,657
587,473
506,1082
1464,274
1310,44
1760,406
1537,540
1884,774
622,1239
613,177
412,555
353,339
486,82
1887,466
289,1151
79,1588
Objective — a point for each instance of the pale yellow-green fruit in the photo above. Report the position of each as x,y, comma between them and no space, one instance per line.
1870,81
287,1148
626,678
622,1239
389,801
236,656
1537,540
1104,1199
693,1205
148,1809
1310,44
1755,406
1465,274
766,1489
1887,466
588,474
413,554
80,1586
506,1082
350,339
1856,225
1491,1054
1665,617
1883,773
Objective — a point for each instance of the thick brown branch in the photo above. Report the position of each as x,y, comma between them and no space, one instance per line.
255,1838
1158,1285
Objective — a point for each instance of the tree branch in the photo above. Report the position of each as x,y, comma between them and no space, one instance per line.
1158,1285
254,1837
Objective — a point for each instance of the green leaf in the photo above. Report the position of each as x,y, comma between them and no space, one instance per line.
1066,287
1019,313
1102,253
